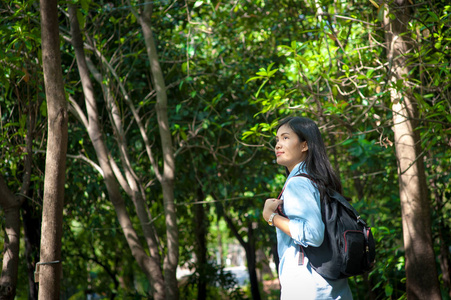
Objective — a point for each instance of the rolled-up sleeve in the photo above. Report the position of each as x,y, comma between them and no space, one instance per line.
301,204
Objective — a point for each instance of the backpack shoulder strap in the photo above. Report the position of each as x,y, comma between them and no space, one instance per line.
338,197
335,195
306,176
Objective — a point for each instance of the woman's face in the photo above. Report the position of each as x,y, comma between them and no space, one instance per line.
289,149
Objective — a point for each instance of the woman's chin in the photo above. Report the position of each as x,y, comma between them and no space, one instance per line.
280,162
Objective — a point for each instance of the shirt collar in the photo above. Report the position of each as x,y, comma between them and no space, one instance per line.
299,168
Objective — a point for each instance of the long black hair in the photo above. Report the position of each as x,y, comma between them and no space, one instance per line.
317,163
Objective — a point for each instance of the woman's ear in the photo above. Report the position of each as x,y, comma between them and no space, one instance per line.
304,146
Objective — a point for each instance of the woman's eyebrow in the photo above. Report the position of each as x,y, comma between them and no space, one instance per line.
282,134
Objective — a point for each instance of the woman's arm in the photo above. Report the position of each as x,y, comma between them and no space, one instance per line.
282,223
278,221
302,207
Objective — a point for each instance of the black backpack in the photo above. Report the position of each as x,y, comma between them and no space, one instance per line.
348,248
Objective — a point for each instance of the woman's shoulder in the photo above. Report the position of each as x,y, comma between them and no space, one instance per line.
300,181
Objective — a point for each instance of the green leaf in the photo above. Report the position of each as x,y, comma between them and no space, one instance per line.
269,67
85,4
303,60
43,108
272,72
81,19
183,135
388,290
198,3
261,86
254,78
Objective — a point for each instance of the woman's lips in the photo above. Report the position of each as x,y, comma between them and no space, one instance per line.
279,153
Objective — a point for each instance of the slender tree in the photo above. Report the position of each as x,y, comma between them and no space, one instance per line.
149,264
200,247
421,272
166,178
55,167
249,248
11,205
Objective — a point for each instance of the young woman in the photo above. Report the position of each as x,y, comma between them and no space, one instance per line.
300,148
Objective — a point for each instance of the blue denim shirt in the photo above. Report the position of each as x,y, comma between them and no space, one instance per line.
301,204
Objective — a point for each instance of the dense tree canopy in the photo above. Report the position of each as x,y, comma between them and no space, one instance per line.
173,107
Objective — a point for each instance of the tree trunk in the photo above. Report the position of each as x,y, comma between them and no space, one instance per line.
167,179
443,235
421,273
200,229
130,183
10,205
275,255
32,237
262,260
55,166
149,265
249,248
252,262
31,216
444,261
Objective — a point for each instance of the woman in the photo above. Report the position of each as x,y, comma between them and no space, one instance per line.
300,148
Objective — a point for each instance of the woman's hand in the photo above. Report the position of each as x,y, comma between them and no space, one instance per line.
270,206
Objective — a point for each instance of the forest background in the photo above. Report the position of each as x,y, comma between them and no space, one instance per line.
172,108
